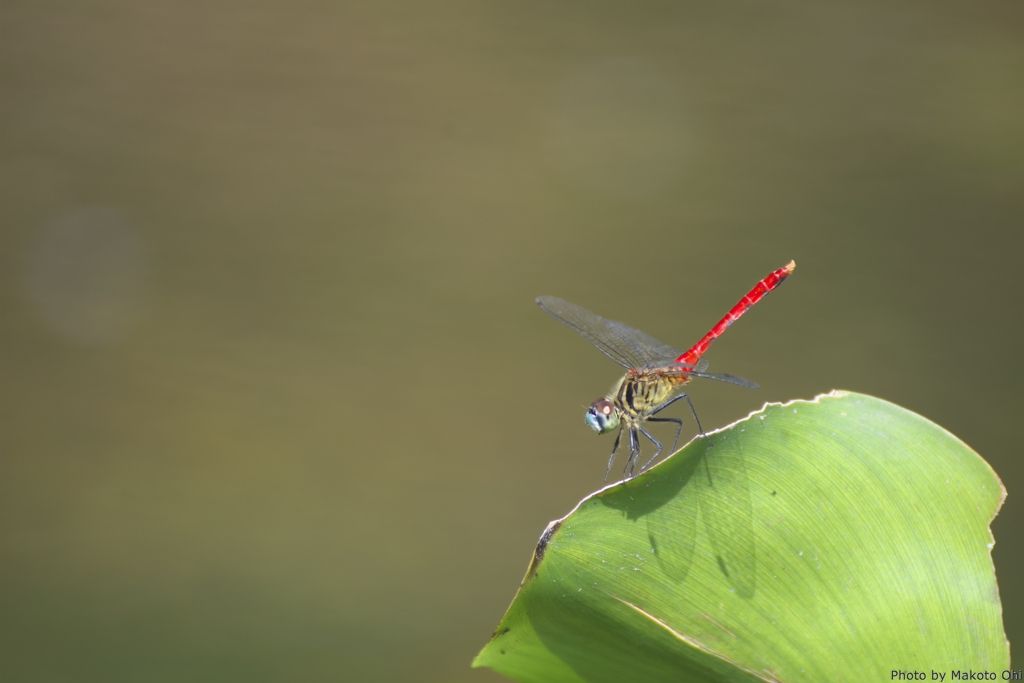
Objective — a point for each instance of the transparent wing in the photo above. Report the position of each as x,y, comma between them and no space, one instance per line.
722,377
625,345
699,368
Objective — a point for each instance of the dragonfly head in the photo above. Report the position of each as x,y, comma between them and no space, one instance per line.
602,416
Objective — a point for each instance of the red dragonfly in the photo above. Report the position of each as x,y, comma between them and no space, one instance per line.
654,371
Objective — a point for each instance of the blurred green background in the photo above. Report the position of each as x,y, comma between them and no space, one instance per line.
276,402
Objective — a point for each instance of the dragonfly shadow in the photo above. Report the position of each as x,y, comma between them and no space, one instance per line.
709,483
669,510
649,492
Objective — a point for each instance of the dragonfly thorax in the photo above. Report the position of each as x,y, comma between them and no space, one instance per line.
637,396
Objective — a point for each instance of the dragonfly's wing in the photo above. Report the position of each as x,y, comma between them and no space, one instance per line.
699,369
722,377
651,351
682,368
625,345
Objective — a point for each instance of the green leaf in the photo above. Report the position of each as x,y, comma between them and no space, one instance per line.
830,540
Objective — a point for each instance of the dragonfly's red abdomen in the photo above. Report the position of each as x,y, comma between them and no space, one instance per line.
770,282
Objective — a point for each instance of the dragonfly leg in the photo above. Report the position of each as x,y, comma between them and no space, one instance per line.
612,457
634,453
657,452
679,428
693,410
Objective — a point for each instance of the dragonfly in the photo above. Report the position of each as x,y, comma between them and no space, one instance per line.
655,371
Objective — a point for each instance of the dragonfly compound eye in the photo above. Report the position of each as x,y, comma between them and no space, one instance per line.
601,416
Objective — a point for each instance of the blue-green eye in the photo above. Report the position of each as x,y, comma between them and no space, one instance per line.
602,416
